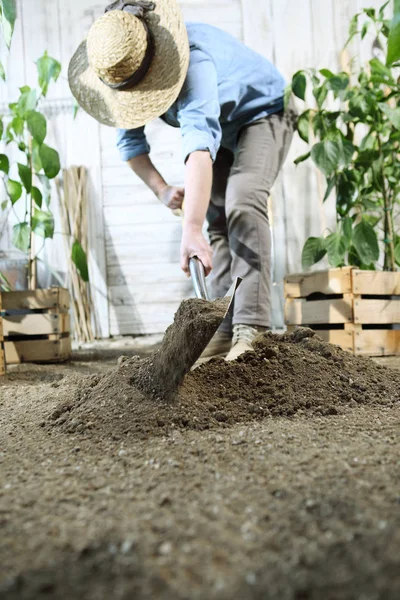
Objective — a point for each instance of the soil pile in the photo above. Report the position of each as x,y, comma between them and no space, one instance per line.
285,375
194,325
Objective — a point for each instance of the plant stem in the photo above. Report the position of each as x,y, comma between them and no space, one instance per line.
389,261
32,266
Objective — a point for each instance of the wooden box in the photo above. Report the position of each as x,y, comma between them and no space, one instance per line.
357,310
2,356
36,326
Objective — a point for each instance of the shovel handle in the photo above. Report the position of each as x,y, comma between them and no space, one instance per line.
198,276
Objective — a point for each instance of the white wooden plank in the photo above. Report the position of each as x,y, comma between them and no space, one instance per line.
142,318
226,15
135,215
157,293
258,27
135,275
156,253
124,236
129,195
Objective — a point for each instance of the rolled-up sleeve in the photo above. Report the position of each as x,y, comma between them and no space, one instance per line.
199,108
132,143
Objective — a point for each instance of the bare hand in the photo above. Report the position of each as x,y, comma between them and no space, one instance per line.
172,197
194,244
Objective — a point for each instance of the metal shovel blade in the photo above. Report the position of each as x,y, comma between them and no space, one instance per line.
195,323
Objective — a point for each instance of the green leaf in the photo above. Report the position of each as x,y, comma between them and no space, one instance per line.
370,12
43,223
1,128
347,228
5,285
364,29
365,242
361,106
326,155
327,73
352,29
338,83
8,16
303,125
393,114
25,175
22,236
37,196
27,102
302,158
393,54
320,93
14,189
79,259
331,185
347,152
37,163
288,93
17,125
286,98
2,72
4,205
4,163
48,68
335,245
46,188
50,161
382,9
37,126
380,73
299,85
397,253
313,251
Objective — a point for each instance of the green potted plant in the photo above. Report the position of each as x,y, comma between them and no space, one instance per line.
35,322
353,134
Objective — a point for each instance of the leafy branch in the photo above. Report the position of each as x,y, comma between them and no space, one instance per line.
357,148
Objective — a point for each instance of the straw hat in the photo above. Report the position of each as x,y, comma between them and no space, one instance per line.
133,64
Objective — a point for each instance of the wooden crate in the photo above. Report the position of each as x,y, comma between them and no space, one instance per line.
357,310
2,355
36,326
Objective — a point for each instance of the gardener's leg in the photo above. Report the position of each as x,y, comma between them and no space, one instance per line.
220,278
262,149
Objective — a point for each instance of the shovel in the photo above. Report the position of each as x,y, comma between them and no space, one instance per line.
195,323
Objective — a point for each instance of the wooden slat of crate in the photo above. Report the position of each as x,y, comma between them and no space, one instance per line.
376,312
54,350
377,342
37,299
376,283
36,324
2,357
318,312
337,337
332,281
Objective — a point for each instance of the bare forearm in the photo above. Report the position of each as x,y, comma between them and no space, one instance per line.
198,182
144,168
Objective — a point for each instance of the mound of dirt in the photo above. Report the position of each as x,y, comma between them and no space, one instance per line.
285,375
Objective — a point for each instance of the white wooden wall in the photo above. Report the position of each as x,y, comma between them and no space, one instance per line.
134,259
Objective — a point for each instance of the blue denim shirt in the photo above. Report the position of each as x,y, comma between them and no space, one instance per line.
227,86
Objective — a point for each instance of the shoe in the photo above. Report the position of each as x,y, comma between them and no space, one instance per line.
219,346
242,341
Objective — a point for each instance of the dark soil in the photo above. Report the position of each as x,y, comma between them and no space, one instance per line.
273,478
295,373
194,325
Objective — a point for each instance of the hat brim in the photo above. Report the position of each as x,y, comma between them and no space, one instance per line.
159,89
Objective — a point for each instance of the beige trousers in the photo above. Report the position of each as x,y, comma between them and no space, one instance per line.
238,223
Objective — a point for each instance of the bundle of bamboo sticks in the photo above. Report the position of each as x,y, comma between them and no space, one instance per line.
73,200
